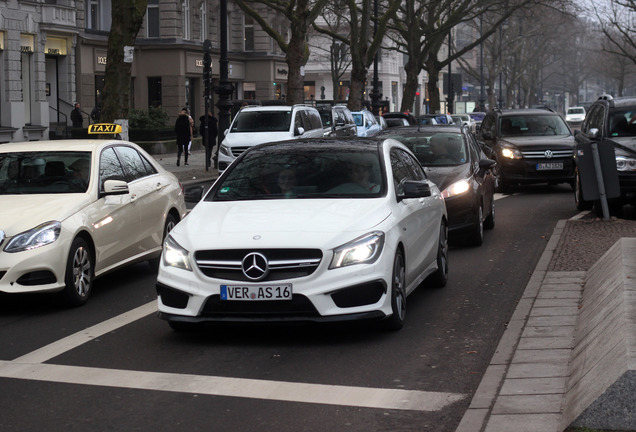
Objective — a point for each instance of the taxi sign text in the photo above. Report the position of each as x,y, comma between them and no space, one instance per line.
104,128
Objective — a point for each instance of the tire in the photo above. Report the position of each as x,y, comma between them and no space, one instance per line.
489,222
170,223
79,273
398,294
440,277
578,193
476,236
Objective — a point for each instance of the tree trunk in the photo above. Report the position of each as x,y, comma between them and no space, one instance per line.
127,18
433,68
356,89
412,72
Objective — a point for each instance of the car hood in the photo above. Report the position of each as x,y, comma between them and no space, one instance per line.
627,144
278,223
445,176
19,213
252,138
552,142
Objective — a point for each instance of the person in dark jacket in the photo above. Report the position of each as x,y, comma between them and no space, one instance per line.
183,129
76,116
213,130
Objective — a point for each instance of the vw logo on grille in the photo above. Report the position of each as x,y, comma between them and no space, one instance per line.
548,154
255,266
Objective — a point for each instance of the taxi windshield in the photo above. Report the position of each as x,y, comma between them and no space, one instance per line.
44,172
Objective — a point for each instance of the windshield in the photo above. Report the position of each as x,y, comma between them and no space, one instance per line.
262,121
44,172
295,173
533,125
623,122
436,149
576,111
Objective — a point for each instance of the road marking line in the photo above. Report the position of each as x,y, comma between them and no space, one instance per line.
73,341
233,387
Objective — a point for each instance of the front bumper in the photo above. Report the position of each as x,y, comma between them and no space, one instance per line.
526,170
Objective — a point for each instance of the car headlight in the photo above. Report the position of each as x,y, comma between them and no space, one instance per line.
174,255
224,150
363,250
511,152
456,188
39,236
624,163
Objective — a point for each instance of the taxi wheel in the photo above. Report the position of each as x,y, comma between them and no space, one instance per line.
79,273
167,227
440,277
489,222
398,294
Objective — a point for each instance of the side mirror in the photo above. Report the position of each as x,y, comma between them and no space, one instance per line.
594,133
299,131
115,187
415,189
486,164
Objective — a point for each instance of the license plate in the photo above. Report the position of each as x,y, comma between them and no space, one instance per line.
549,166
256,292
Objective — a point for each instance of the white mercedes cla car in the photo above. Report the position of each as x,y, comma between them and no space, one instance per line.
72,210
307,230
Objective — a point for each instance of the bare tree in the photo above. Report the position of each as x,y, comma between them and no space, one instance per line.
300,14
617,23
127,18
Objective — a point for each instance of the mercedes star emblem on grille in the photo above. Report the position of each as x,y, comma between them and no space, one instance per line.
255,266
548,154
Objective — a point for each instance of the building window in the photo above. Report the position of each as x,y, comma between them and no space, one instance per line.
152,16
310,90
154,92
248,37
98,15
204,21
186,19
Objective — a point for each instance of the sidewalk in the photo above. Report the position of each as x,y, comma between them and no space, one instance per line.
194,172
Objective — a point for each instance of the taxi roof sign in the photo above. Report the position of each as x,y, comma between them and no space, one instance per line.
104,128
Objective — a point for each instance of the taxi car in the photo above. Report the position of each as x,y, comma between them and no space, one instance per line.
72,210
316,230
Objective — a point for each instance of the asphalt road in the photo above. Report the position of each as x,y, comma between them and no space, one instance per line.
113,366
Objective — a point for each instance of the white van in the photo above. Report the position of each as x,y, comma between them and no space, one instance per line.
260,124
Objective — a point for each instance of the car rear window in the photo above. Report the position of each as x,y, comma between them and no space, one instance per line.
262,121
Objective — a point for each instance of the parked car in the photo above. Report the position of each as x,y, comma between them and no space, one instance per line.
529,145
611,121
260,124
396,122
367,125
455,162
478,116
381,122
337,121
316,230
439,118
465,120
410,118
73,210
575,116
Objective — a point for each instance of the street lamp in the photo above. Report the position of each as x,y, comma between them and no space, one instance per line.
482,96
375,93
225,88
451,95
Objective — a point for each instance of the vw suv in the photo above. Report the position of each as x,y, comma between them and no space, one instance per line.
529,145
254,125
612,121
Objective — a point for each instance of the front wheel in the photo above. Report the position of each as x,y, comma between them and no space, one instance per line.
440,277
79,273
489,222
578,193
476,236
398,294
167,227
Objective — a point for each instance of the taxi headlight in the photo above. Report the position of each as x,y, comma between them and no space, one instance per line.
174,255
624,163
41,235
511,153
363,250
456,188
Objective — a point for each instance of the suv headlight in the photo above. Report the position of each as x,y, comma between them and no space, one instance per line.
174,255
363,250
41,235
624,163
511,152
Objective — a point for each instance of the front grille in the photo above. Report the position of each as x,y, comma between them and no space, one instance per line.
236,151
541,154
298,306
283,263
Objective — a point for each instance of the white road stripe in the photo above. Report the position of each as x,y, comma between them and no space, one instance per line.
73,341
233,387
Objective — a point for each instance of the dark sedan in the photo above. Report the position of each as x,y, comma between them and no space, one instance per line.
453,160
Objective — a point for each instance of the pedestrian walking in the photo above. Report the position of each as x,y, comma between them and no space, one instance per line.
183,129
96,114
209,141
76,116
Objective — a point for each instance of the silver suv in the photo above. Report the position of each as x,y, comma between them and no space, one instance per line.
260,124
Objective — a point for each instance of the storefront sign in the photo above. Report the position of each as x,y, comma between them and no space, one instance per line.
26,43
55,46
280,71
